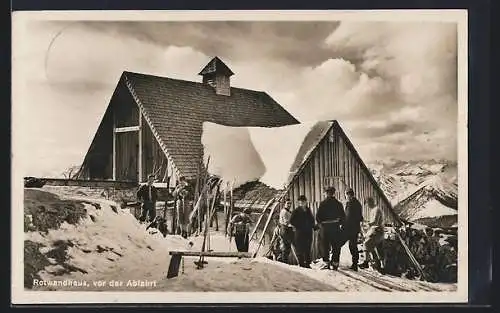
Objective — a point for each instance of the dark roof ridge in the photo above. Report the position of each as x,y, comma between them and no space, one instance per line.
188,81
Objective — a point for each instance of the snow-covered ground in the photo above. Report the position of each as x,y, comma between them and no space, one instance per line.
110,245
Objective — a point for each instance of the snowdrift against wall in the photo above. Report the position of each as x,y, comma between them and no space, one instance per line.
243,154
232,154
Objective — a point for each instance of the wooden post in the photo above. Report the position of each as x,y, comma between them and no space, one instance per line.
140,148
264,230
114,145
173,268
215,216
225,210
268,204
207,218
174,217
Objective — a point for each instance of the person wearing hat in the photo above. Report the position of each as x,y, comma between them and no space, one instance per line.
302,221
285,231
240,229
352,226
331,217
147,194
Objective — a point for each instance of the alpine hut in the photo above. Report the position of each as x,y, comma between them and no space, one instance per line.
154,124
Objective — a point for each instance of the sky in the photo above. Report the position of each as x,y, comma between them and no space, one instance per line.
391,85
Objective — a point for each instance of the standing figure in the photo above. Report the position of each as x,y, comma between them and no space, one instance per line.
180,194
302,220
352,226
147,194
240,229
285,232
373,236
331,217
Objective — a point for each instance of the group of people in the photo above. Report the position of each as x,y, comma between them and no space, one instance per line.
148,194
336,226
296,227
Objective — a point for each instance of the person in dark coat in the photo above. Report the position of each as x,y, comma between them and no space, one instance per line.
331,217
302,221
352,225
240,229
148,194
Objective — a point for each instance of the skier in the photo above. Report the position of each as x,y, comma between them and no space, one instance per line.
302,220
373,236
331,218
147,193
240,229
285,232
353,219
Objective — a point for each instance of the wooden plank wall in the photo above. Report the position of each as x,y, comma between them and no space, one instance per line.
127,148
98,161
332,163
126,114
126,111
153,156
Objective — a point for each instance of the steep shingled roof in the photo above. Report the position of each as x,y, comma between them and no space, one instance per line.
178,108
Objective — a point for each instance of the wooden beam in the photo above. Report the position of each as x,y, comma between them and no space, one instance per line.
317,177
139,158
88,183
216,254
127,129
268,204
175,260
265,228
114,145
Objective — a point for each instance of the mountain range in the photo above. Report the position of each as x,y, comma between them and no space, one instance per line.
421,191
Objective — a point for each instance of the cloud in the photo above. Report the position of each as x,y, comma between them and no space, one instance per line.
297,43
101,58
68,86
392,86
378,130
393,74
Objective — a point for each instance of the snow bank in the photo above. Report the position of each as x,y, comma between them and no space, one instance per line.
243,154
110,245
108,242
278,148
232,154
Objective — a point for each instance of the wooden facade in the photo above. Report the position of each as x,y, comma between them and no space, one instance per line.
155,124
125,148
333,162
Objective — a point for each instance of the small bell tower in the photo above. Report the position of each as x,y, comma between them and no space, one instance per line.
218,75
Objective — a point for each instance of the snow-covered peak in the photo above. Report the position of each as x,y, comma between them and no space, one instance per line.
420,189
